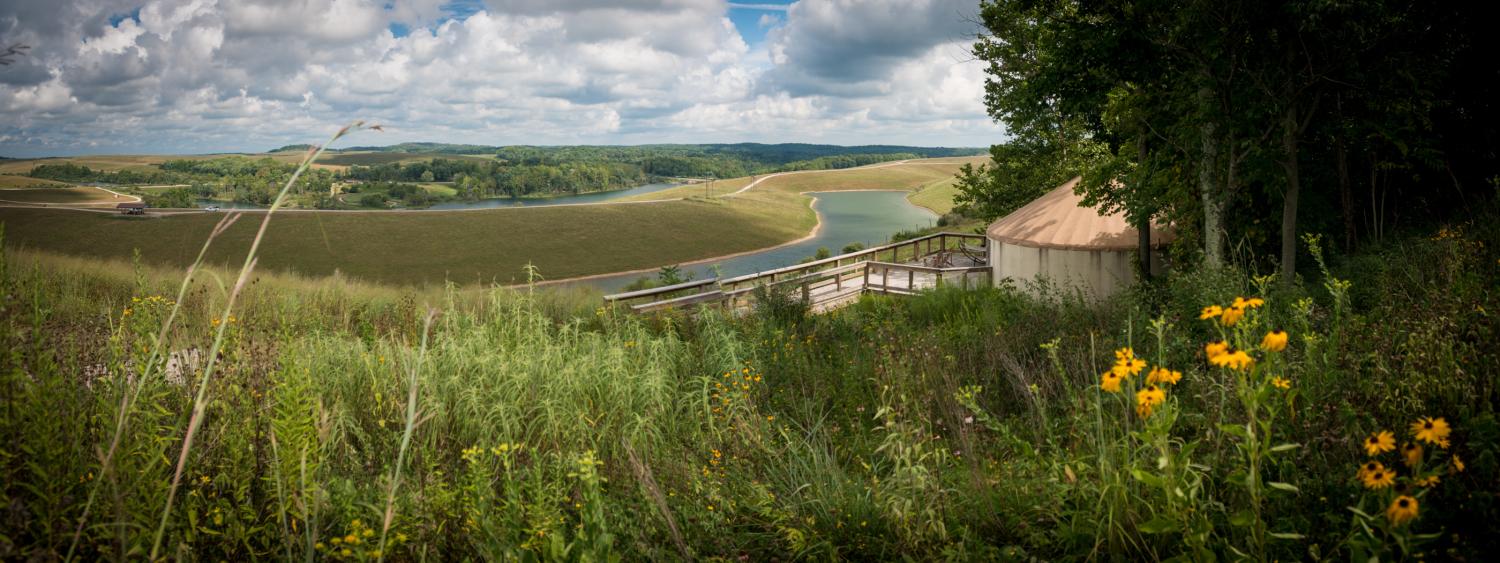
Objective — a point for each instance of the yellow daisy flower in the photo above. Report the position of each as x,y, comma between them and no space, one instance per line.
1380,442
1216,348
1110,382
1232,315
1210,312
1403,509
1236,360
1160,375
1275,341
1458,464
1427,481
1411,454
1431,430
1281,383
1370,467
1379,478
1148,398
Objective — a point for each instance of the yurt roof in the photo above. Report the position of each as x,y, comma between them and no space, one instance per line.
1060,220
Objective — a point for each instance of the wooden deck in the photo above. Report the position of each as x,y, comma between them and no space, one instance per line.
902,268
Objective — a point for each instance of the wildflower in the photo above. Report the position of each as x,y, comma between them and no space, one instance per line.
1431,430
1131,366
351,539
1380,442
1427,481
1254,302
1123,354
1402,509
1161,375
1411,454
1232,315
1458,464
1370,467
1379,478
1111,382
1216,348
1210,312
1281,383
1275,341
345,552
1236,360
1148,398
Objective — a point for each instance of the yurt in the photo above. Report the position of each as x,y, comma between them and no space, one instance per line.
1069,245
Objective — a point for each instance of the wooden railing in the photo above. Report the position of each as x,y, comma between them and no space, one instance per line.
846,274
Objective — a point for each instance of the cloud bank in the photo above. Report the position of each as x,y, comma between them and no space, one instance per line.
115,76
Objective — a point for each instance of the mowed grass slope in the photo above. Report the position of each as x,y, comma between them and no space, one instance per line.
61,196
417,248
14,181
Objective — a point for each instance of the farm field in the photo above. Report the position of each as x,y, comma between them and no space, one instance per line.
115,163
60,196
15,181
482,246
416,248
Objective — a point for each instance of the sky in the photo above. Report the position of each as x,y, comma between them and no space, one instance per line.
198,76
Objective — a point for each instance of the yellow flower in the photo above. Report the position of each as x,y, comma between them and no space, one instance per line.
1458,464
1380,442
1210,312
1131,366
1411,454
351,539
1148,398
345,552
1254,302
1275,341
1281,382
1124,354
1110,382
1217,348
1370,467
1431,430
1427,481
1379,478
1236,360
1232,315
1160,375
1402,509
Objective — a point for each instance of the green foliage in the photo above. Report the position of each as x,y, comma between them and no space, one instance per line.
954,424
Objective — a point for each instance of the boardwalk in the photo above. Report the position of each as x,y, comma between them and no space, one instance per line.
903,268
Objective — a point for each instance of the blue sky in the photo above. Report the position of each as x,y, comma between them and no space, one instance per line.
175,76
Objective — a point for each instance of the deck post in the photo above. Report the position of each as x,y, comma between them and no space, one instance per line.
911,280
885,278
806,294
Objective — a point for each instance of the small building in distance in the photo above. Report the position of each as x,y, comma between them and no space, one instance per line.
1057,239
132,208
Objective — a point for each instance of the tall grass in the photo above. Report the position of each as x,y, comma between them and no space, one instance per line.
341,424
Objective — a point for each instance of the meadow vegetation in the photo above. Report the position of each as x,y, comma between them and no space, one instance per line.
1234,418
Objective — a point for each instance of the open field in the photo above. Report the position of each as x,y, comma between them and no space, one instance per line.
937,196
15,181
115,163
376,158
431,247
60,196
482,245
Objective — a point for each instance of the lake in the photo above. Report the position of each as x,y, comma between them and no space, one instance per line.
847,217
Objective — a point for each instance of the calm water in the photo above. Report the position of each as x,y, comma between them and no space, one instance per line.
595,197
848,217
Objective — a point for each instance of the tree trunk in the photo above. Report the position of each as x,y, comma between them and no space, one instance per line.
1289,138
1346,191
1208,186
1143,225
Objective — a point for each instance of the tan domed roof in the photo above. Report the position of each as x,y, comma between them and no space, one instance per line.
1060,220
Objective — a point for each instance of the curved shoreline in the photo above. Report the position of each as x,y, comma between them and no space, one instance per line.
817,228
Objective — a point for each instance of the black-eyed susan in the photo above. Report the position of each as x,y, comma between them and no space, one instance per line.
1457,464
1411,454
1431,430
1402,510
1370,467
1380,442
1236,360
1110,381
1379,478
1148,398
1427,481
1163,376
1131,366
1281,383
1274,341
1215,348
1232,316
1254,302
1210,312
